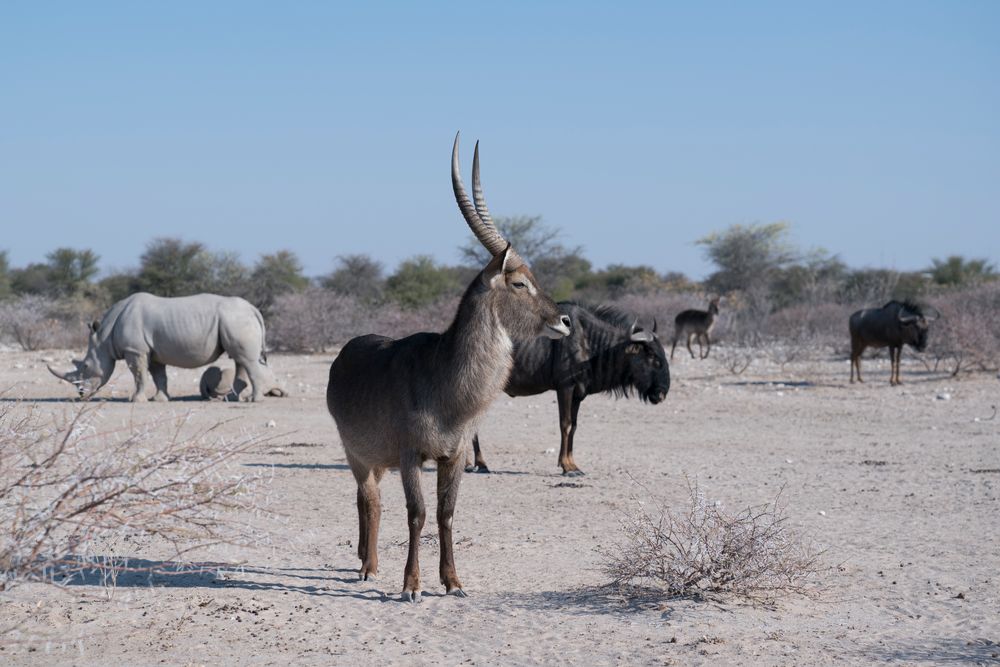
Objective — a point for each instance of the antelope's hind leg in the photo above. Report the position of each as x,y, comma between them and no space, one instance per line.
369,516
449,474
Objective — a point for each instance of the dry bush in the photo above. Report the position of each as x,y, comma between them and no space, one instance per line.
317,320
967,336
706,550
664,306
68,490
35,323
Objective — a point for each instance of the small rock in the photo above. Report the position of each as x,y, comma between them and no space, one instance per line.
550,450
789,461
944,397
822,513
271,423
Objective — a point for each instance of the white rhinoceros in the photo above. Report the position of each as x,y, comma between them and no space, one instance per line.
155,332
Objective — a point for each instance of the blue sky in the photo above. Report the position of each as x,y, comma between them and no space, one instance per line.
326,129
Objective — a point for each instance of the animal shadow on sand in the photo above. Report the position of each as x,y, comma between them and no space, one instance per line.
603,600
300,466
944,651
143,573
108,399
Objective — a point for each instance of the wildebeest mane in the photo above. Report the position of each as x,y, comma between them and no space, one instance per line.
607,369
907,305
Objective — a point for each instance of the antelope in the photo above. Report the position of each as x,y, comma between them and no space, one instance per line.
696,323
893,325
399,403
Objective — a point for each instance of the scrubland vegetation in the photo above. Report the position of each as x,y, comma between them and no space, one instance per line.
779,301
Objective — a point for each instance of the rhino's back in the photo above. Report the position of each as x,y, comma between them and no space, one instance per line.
187,331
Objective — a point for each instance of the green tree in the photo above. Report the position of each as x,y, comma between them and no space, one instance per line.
118,285
171,267
31,279
273,275
746,256
419,282
359,276
956,271
70,271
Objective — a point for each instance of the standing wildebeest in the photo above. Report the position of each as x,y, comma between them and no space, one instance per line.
696,323
604,353
188,331
398,403
894,325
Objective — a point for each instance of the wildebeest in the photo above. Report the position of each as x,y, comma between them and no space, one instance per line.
604,353
697,323
152,332
893,325
398,403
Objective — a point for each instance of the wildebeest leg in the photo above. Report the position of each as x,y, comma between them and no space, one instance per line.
480,464
689,345
568,407
369,515
159,373
856,352
449,474
894,354
409,470
137,363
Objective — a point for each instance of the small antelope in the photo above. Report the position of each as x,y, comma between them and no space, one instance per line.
696,323
399,403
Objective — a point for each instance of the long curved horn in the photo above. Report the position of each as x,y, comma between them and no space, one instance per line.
61,376
479,221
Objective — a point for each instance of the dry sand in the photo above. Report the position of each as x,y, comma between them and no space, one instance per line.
901,485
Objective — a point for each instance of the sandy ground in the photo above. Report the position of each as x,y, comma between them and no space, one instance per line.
901,485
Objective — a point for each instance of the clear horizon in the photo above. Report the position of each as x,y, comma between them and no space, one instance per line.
635,129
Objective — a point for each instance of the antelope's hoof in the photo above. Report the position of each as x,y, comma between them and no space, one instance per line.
412,596
367,573
573,473
458,592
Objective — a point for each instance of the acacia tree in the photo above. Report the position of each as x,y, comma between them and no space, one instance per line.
171,267
358,276
956,271
70,271
273,275
747,255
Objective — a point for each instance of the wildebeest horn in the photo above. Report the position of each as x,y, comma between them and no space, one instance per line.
639,336
478,216
906,319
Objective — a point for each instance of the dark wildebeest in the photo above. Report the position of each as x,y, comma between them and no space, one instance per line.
698,323
398,403
893,325
604,353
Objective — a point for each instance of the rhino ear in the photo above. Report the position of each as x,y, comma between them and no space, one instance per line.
94,326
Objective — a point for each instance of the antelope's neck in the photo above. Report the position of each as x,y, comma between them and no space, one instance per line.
476,361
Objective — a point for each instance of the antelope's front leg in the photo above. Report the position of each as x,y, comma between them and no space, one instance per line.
409,470
448,477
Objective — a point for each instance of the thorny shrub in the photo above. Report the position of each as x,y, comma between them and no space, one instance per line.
705,550
36,322
69,487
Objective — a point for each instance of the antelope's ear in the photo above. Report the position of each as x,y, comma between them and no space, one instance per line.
495,269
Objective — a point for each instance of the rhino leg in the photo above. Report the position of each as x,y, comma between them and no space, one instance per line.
137,363
159,373
259,376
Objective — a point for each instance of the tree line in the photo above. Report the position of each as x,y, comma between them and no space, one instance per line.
757,261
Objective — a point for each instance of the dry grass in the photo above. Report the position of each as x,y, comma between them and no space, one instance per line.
71,490
705,550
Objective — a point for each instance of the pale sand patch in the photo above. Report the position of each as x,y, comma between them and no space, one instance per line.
907,518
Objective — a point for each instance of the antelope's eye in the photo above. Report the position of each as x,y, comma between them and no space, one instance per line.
519,285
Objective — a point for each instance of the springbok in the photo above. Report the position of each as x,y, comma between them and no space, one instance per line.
398,403
696,323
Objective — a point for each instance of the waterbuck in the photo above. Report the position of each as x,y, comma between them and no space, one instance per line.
605,352
696,323
893,325
398,403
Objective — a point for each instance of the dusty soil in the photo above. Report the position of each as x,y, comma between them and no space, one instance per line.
900,484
